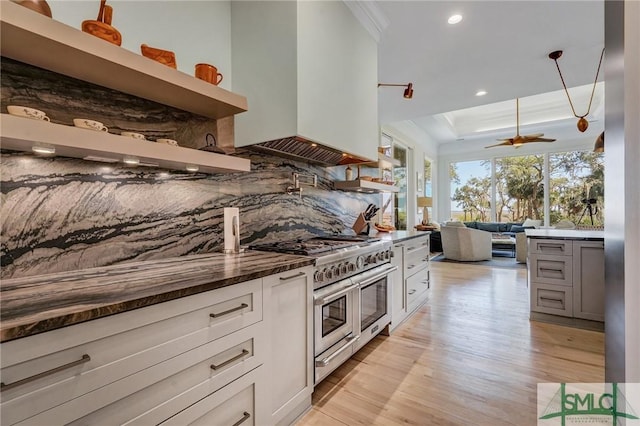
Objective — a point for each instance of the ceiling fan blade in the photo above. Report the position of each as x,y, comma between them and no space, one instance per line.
544,140
535,135
528,139
507,142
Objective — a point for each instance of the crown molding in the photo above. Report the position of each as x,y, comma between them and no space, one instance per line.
370,16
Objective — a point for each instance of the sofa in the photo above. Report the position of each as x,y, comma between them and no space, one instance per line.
513,229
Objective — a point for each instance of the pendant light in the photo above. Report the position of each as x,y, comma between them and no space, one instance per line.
408,92
583,124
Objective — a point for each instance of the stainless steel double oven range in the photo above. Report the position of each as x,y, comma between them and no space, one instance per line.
352,293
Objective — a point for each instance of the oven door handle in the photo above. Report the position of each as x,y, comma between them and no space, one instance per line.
326,299
376,277
351,339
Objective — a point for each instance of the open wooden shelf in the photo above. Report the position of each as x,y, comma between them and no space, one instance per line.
384,162
35,39
22,134
360,185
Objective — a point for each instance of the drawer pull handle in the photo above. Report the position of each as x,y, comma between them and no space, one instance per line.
85,358
237,308
349,341
551,269
245,417
412,291
411,266
551,299
299,274
551,246
230,360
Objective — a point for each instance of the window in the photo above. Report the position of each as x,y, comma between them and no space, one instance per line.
519,188
470,190
576,181
428,190
400,173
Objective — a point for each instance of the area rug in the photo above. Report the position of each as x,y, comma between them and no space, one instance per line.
495,262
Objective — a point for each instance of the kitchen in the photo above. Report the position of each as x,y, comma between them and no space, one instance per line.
74,214
187,222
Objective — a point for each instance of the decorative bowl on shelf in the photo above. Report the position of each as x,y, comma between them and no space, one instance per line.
165,57
40,6
103,31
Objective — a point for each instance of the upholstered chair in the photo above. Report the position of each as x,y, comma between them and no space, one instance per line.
465,244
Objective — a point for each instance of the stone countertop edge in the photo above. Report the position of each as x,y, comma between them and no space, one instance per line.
398,236
33,305
565,234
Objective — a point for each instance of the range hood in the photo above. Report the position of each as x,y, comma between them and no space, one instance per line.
305,84
301,149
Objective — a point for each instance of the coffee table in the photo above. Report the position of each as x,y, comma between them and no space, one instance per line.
503,242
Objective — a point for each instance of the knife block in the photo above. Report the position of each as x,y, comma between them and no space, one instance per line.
361,226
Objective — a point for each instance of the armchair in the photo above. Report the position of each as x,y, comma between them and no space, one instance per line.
465,244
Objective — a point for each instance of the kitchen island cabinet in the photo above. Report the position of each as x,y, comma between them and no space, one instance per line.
210,349
566,277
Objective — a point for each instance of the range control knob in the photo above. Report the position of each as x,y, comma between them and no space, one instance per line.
387,255
318,276
327,273
335,271
381,256
351,267
360,262
343,268
371,259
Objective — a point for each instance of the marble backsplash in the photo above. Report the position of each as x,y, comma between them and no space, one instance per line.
60,214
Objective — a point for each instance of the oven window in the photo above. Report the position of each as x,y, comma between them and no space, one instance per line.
334,315
373,302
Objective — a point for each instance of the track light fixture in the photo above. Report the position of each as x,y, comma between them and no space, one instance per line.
408,92
583,124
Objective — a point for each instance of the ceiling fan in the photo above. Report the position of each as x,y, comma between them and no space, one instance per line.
517,141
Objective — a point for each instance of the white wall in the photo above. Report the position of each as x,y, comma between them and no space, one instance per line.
196,31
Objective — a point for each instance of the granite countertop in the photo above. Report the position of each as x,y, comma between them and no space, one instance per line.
398,236
565,234
33,305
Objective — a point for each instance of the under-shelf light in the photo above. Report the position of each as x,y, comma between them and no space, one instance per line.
42,149
132,161
100,159
192,168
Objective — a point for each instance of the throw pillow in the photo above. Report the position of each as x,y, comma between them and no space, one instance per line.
532,222
520,228
489,227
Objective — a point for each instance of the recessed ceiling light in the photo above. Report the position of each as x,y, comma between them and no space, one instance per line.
481,92
454,19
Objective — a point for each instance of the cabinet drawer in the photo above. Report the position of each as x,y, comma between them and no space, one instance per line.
417,286
416,251
557,247
193,376
118,347
551,269
550,299
231,405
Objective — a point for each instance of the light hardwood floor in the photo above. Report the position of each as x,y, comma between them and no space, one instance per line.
470,355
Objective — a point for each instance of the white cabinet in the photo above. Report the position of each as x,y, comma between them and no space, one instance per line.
289,325
118,347
244,348
309,70
411,281
566,278
588,270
